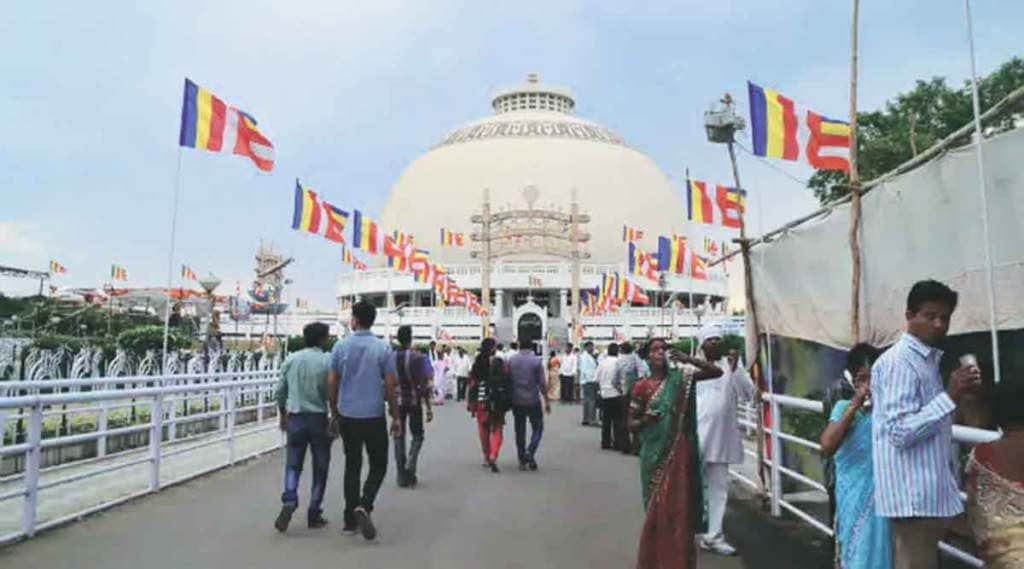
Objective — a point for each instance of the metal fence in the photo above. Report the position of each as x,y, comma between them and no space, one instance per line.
164,397
776,436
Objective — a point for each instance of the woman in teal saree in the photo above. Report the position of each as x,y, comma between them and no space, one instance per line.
663,414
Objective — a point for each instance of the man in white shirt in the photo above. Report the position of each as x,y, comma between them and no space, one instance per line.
718,429
613,417
567,374
588,384
461,366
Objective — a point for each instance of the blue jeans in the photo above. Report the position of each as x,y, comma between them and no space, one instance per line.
307,429
590,393
535,413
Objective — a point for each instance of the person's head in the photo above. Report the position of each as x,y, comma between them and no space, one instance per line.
461,351
859,360
589,347
711,336
613,349
315,334
1009,403
568,348
487,346
363,315
500,347
655,353
930,306
626,348
514,346
405,336
433,345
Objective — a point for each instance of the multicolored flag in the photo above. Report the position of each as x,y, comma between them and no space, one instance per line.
773,124
732,203
398,247
698,204
630,234
671,254
364,233
57,268
698,266
306,215
826,133
451,238
358,265
346,255
336,220
209,124
118,273
535,281
188,274
642,263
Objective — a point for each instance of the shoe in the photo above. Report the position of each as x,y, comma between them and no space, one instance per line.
718,547
365,524
317,523
413,480
522,465
285,517
403,478
532,464
349,529
494,468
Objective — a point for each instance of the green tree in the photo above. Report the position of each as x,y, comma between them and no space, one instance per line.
914,121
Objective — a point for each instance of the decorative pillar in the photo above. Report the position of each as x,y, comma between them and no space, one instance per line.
563,304
499,303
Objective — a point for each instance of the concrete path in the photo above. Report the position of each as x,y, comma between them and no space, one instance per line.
581,510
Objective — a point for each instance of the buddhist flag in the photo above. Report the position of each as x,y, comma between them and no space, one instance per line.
207,123
698,204
773,124
336,220
346,255
118,273
698,267
671,255
398,248
826,133
642,263
306,216
57,268
188,274
631,234
451,238
732,203
364,233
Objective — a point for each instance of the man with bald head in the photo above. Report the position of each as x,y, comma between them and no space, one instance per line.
718,429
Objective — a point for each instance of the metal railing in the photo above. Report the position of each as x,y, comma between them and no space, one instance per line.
234,393
776,436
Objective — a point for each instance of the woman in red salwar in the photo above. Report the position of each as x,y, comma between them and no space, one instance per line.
663,415
489,400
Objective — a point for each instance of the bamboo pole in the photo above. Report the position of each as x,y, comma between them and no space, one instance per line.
855,209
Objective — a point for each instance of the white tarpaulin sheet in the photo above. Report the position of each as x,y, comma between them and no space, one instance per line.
923,224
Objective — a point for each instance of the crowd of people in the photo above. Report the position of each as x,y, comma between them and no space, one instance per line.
888,440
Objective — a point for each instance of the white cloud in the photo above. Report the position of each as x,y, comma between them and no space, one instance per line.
21,243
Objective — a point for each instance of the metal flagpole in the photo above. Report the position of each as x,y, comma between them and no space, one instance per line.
170,260
982,192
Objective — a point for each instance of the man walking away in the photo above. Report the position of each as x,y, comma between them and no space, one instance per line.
413,393
463,363
613,416
302,413
363,371
912,429
567,374
588,384
719,430
528,388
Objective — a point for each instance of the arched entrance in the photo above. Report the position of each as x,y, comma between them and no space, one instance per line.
529,328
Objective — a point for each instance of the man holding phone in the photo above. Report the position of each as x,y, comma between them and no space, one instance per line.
915,485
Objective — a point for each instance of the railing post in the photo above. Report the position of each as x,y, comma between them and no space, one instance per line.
259,403
101,427
229,408
776,459
156,428
3,429
32,456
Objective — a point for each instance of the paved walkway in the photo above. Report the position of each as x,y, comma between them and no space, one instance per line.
581,510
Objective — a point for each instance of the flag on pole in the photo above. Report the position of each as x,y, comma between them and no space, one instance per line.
698,204
671,254
451,238
826,133
358,265
732,203
336,220
364,233
118,273
57,268
773,123
346,255
536,282
188,274
398,248
209,124
630,234
306,215
698,266
642,263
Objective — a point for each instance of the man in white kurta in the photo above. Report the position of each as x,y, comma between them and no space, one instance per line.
719,431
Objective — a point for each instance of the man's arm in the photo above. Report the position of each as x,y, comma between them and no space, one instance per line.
542,385
909,420
332,391
281,395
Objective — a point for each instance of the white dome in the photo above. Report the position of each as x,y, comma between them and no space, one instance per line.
544,146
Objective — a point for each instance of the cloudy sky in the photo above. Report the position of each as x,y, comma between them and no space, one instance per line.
351,92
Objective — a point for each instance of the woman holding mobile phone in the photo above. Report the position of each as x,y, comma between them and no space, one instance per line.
663,416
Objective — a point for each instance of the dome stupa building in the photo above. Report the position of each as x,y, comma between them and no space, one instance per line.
533,154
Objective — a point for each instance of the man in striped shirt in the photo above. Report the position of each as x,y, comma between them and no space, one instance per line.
915,484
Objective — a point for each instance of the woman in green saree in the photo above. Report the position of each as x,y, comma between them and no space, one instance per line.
663,415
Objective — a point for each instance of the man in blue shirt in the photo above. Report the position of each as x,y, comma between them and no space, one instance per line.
361,376
528,390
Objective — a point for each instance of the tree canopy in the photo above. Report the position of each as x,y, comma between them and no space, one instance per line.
914,121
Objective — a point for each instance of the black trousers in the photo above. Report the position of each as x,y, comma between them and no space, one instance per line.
567,382
412,423
613,424
535,414
357,434
461,382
